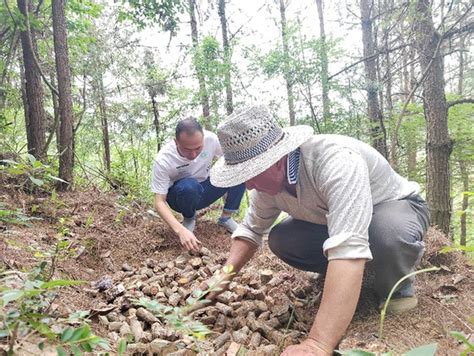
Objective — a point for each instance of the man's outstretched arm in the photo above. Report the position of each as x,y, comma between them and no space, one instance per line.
338,304
186,237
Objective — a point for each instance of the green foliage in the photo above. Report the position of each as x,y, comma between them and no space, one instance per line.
15,217
466,342
26,300
394,288
425,350
178,317
149,12
29,174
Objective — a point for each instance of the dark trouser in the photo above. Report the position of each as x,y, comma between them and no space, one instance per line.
188,195
395,236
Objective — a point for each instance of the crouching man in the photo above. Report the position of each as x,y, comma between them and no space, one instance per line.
180,181
346,206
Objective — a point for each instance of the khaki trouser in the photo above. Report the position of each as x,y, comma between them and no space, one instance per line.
395,236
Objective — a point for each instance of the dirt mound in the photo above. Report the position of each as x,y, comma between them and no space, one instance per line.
105,232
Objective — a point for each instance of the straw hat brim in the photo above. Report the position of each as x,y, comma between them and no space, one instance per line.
226,175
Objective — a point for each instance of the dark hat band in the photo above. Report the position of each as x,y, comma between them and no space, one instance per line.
235,157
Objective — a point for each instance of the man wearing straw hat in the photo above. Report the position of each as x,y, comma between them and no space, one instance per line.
346,206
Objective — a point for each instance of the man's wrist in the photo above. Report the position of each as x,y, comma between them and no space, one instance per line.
319,345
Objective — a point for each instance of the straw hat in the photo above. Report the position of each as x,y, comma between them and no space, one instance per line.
252,141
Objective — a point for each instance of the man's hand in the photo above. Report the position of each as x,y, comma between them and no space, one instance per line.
308,347
219,284
188,240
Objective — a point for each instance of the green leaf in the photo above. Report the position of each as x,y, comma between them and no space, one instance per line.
60,283
4,333
87,347
425,350
122,347
78,333
36,181
355,353
31,158
66,334
41,346
461,337
10,296
76,350
61,351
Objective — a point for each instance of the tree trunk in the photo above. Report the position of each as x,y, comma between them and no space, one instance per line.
229,105
34,90
438,143
103,120
377,129
156,123
203,95
66,153
286,59
324,64
462,164
5,77
465,201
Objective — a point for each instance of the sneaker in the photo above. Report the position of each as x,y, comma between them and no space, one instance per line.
228,223
400,305
189,223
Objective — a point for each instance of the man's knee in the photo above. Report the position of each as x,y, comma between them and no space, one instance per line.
276,240
188,186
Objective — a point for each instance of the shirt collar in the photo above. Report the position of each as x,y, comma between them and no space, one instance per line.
292,166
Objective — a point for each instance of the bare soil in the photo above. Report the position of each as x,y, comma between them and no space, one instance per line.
104,231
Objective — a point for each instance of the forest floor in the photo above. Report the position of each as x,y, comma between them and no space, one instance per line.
107,235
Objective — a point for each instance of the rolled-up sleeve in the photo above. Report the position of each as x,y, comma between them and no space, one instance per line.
344,180
259,218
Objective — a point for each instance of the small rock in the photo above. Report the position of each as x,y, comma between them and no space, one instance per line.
224,309
158,331
103,283
174,299
255,340
161,347
126,267
146,315
136,329
115,325
220,324
269,350
265,276
233,349
151,263
221,340
260,307
196,262
112,293
125,330
103,320
137,348
226,297
240,337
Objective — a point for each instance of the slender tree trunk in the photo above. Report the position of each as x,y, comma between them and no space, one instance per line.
5,77
34,90
465,201
324,64
462,164
66,158
438,143
203,95
103,121
229,105
377,131
286,59
156,122
308,96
